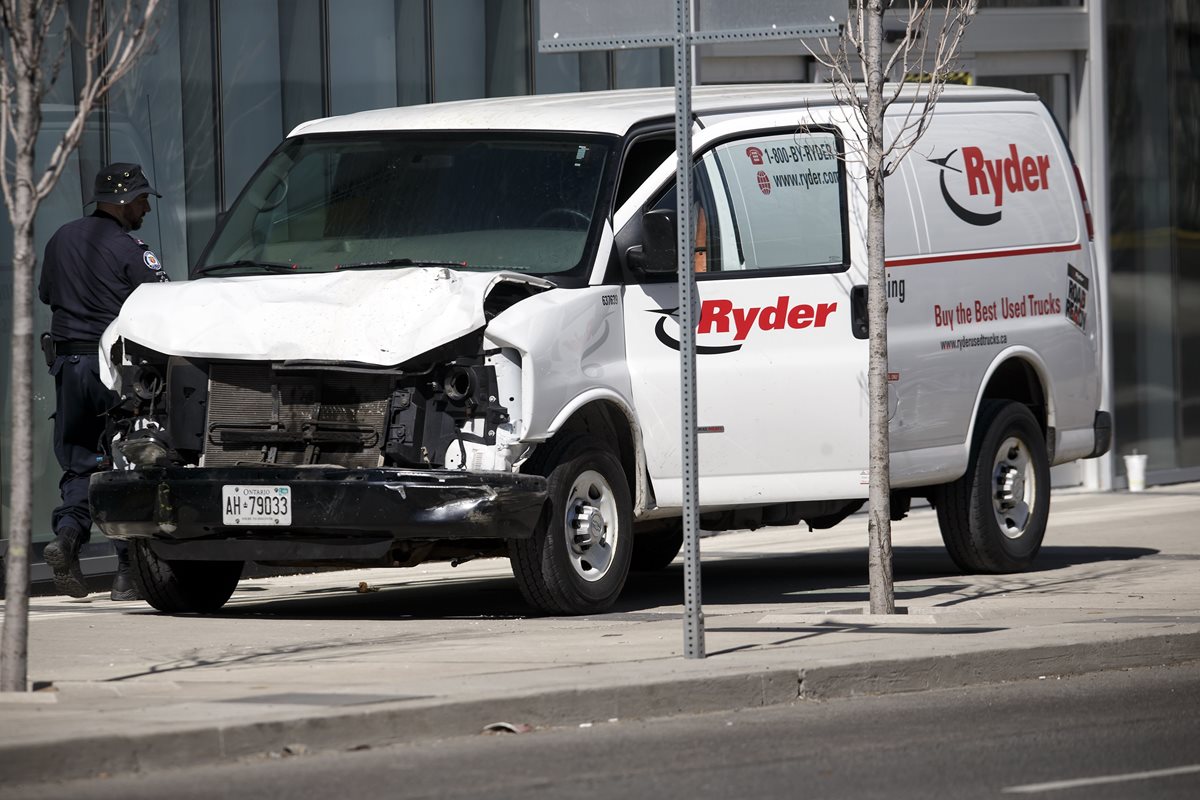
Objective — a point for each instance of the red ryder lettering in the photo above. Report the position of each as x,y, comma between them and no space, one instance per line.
1016,173
716,315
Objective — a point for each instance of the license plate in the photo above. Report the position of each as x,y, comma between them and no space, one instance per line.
256,505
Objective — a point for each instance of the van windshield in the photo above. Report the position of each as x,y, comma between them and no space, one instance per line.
522,202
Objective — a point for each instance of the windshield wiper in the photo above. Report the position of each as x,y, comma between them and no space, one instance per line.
401,262
245,263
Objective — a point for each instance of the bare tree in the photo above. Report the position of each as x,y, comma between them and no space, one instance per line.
927,46
36,38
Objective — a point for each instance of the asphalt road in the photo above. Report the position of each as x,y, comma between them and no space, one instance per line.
1105,735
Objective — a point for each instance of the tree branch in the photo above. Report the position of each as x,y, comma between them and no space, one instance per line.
129,41
6,93
949,33
45,33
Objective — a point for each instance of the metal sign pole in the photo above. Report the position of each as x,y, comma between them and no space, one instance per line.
693,615
580,25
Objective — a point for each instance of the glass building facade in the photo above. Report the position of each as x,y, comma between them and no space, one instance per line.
226,80
1153,78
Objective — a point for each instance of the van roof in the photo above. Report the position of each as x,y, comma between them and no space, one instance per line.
604,112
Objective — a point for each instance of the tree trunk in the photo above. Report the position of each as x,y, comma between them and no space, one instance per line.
14,646
879,505
27,26
16,607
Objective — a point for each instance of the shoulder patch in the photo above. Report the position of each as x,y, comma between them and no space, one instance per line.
151,260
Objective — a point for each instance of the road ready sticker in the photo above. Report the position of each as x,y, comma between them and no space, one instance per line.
1077,291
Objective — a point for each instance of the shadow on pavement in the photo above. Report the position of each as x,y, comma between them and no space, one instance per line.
796,583
819,580
789,584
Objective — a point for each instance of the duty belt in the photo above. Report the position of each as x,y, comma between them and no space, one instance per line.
77,348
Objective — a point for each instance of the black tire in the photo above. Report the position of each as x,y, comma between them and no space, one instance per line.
182,587
556,570
654,550
993,518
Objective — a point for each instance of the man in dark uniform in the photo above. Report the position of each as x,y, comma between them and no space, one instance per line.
91,266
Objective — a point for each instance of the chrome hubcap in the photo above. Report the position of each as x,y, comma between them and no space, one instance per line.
590,524
1014,487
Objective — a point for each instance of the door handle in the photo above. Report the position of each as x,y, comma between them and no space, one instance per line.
858,311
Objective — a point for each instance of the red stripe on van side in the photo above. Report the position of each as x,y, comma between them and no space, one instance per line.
1030,251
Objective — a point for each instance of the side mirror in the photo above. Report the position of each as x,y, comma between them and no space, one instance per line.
658,241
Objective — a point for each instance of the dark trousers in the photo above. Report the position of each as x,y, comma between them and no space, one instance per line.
79,427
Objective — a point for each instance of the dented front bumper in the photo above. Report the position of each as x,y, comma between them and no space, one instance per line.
331,510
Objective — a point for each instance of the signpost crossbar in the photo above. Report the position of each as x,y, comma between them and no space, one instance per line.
699,37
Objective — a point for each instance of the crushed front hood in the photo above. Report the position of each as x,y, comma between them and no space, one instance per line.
379,317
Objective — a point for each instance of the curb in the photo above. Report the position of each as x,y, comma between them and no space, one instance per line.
996,666
93,755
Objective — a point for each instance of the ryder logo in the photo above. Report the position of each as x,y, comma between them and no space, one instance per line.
998,177
723,317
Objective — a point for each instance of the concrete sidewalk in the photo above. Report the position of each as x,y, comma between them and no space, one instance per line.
349,659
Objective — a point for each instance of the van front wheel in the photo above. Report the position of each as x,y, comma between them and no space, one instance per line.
993,518
182,587
578,558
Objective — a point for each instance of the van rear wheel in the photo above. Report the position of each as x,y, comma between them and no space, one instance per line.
993,518
578,558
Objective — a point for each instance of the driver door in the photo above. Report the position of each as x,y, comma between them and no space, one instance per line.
781,377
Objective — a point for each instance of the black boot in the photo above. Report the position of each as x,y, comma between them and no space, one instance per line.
63,557
123,586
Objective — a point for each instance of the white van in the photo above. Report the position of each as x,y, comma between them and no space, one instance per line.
450,331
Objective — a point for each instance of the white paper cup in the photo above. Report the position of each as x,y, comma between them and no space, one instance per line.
1135,471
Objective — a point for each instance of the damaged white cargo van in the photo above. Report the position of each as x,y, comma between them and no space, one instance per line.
449,331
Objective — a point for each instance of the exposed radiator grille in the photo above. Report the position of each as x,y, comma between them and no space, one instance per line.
258,416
